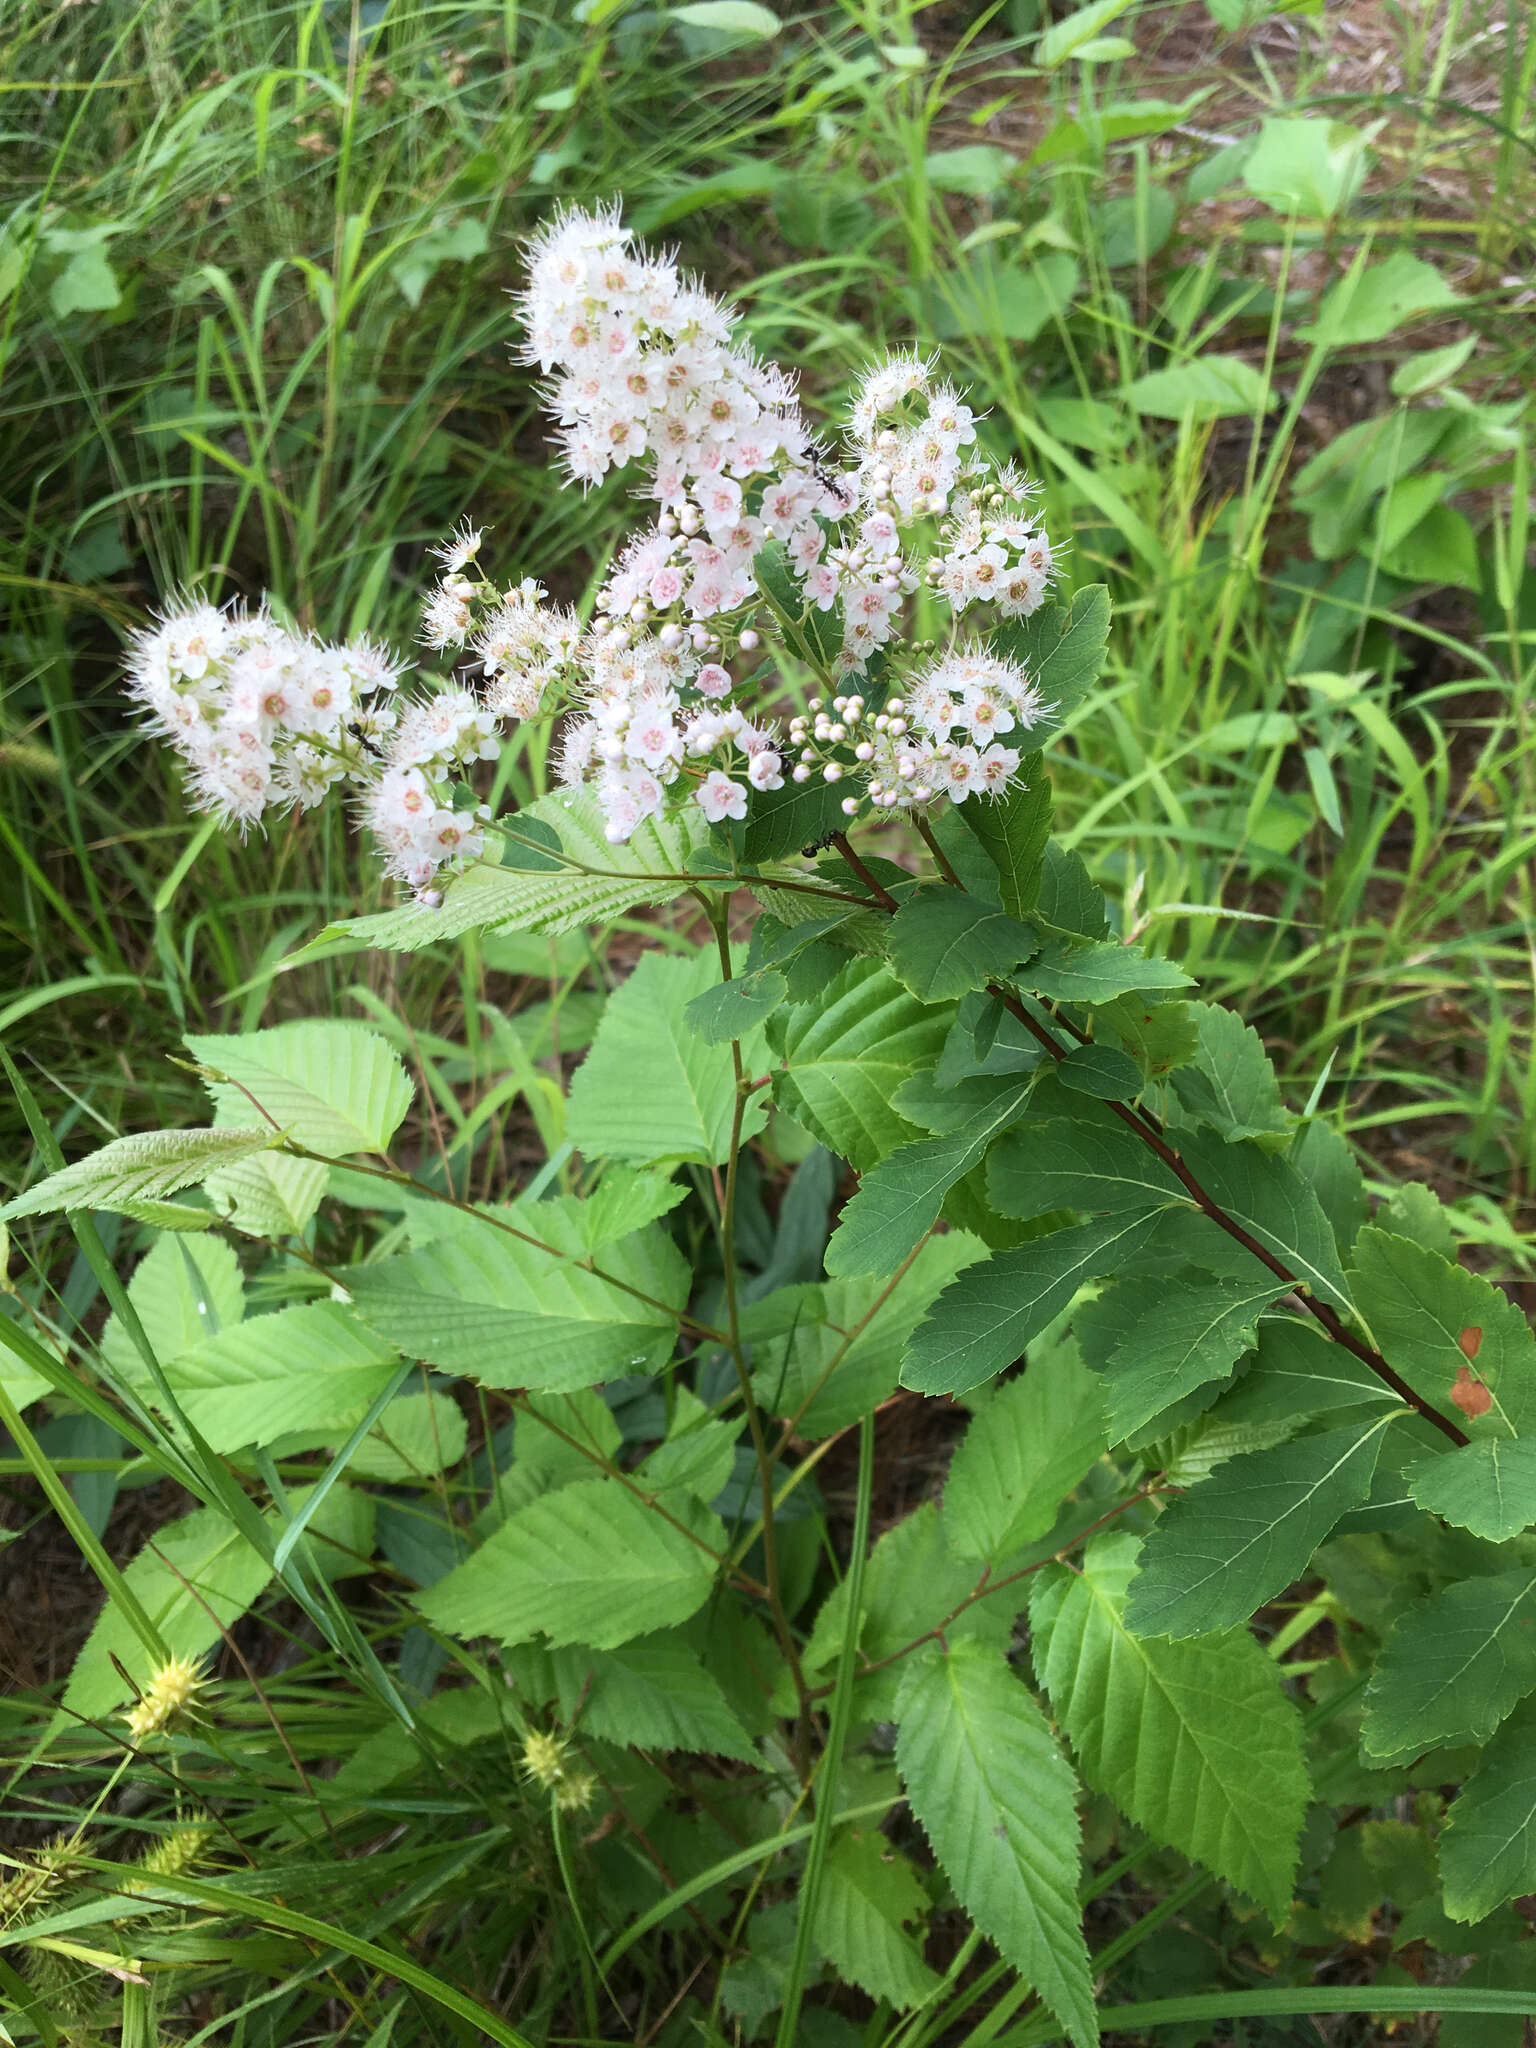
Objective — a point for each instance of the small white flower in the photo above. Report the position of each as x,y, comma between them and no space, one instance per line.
720,798
460,548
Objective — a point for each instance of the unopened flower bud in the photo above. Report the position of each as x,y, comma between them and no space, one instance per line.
748,641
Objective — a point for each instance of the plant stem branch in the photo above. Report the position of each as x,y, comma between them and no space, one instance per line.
1145,1129
877,889
1322,1311
929,837
754,1418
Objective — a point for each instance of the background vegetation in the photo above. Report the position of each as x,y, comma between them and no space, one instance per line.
1249,288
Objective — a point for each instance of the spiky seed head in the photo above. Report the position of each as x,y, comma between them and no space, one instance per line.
169,1694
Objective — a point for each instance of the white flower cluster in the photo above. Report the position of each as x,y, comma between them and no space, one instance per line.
263,716
938,740
908,432
664,692
646,367
656,714
993,552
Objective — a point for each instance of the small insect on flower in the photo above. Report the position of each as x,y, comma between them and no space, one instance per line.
170,1694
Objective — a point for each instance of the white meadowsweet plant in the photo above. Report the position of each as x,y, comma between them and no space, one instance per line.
668,697
1037,1176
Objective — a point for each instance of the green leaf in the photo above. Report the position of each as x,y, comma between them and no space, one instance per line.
1074,30
1195,1741
603,882
1274,1204
192,1578
1422,372
1233,1084
733,1009
1063,647
531,844
729,17
913,1582
1488,1846
828,1369
1326,1161
653,1694
944,943
143,1167
1451,1669
1026,1450
869,1891
1158,1036
560,1439
1228,1545
898,1200
1299,1373
1174,1336
1209,388
998,1803
650,1088
417,1437
1093,972
815,635
983,1320
698,1456
1070,901
182,1291
1088,1161
332,1087
307,1368
846,1055
452,242
1442,548
1488,1487
1100,1070
512,1314
1013,833
976,168
1438,1324
269,1194
86,284
1308,166
1369,304
788,819
989,296
589,1564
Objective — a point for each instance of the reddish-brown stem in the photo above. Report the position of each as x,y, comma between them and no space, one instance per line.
986,1586
878,890
1323,1311
1146,1130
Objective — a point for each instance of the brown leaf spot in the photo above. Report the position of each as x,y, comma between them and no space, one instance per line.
1471,1341
1470,1394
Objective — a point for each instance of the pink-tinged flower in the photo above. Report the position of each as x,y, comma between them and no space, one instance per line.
822,586
653,740
995,768
720,798
765,770
961,773
712,680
